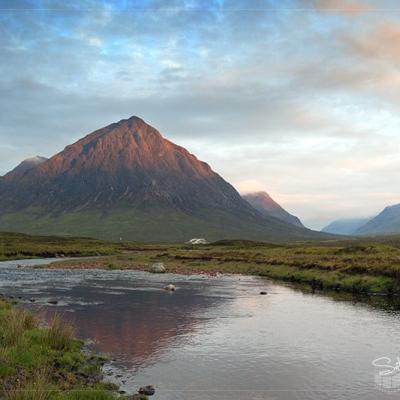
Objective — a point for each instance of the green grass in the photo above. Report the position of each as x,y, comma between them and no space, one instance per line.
59,335
369,265
19,246
152,224
45,363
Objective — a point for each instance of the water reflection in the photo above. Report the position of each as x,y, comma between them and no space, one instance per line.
125,314
134,326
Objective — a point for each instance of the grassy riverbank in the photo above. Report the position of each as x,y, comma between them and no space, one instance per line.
357,266
18,246
39,363
370,265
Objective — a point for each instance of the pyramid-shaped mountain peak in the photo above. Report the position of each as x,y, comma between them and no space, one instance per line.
127,180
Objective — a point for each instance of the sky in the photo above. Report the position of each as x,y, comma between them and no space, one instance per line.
299,98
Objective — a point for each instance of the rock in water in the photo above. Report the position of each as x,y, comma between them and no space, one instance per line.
170,288
158,268
147,390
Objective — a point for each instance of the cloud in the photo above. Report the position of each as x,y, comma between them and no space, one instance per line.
298,102
379,44
343,7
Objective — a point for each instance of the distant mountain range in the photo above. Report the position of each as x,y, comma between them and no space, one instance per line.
345,226
263,202
126,180
385,223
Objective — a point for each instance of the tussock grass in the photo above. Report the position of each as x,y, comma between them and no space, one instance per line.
45,363
59,335
16,322
38,387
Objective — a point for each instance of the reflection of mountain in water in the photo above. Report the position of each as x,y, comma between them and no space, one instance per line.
136,325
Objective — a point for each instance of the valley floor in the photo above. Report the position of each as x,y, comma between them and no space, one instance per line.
16,246
370,265
365,266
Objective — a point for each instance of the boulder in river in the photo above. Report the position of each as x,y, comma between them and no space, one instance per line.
158,268
170,287
147,390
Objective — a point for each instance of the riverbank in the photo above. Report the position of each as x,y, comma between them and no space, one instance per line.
358,266
38,363
19,246
361,266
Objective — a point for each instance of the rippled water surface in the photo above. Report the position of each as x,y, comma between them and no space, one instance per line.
216,338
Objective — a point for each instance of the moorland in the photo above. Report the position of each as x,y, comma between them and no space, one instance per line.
358,265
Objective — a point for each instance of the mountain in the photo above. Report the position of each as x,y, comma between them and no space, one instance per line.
126,180
24,166
263,202
387,222
347,226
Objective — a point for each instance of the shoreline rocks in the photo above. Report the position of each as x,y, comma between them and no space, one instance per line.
158,268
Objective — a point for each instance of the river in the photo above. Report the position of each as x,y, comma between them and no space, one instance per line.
218,338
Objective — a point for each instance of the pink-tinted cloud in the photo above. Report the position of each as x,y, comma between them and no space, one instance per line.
382,43
346,7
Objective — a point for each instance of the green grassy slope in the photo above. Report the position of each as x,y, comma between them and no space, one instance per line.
152,225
